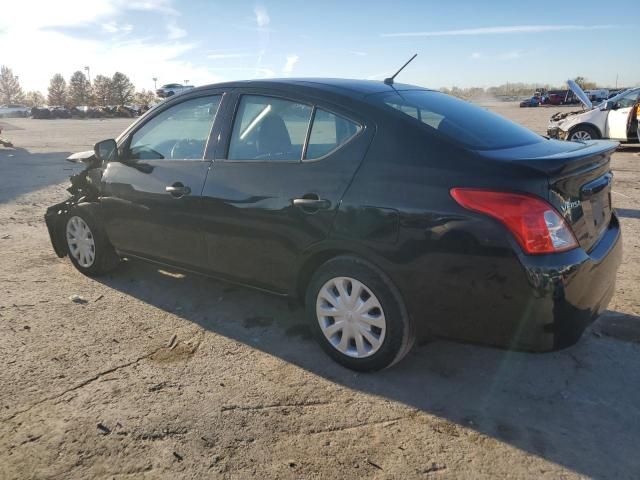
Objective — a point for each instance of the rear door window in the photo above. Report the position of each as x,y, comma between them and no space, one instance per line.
460,121
269,129
328,132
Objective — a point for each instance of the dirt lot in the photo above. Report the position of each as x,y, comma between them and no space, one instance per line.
93,389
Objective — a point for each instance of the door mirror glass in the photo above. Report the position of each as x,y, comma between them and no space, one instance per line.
106,150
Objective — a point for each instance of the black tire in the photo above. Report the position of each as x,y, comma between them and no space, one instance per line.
105,257
584,130
399,332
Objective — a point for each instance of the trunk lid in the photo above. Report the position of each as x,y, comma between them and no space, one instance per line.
579,179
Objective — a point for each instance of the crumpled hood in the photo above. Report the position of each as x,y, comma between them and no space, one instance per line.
556,117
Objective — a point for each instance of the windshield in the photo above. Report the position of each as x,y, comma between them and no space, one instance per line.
626,98
460,121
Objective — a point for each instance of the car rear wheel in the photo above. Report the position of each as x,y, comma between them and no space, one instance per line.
582,133
357,315
87,245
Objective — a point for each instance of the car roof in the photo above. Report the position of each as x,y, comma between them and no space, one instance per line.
357,89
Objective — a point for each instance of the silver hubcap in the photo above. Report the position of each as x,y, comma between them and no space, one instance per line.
581,135
351,317
80,241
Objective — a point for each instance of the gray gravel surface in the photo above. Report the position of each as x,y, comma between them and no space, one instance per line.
153,373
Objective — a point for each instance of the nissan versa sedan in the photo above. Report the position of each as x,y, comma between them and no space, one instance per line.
391,211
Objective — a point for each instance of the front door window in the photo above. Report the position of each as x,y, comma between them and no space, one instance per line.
178,133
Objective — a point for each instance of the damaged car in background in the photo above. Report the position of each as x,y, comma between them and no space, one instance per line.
377,205
607,120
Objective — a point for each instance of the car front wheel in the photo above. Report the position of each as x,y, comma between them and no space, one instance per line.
583,133
87,245
357,315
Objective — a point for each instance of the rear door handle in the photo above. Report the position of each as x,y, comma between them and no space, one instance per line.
311,203
177,190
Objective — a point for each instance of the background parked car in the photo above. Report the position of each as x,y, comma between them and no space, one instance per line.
530,102
14,110
171,89
609,119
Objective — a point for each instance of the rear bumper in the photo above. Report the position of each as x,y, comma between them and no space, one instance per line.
569,291
523,302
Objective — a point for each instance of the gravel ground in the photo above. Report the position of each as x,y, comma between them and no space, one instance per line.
156,374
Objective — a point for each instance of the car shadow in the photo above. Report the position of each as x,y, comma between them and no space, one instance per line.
22,171
577,407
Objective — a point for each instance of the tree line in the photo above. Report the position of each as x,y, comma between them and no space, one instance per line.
79,91
519,89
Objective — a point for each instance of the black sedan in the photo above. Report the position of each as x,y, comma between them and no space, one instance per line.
393,212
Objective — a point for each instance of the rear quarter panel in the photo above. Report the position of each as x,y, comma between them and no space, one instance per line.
451,265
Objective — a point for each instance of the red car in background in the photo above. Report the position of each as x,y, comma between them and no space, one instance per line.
554,99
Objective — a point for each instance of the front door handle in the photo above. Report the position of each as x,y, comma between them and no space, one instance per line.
311,203
177,190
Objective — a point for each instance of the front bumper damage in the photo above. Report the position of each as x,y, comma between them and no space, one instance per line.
556,133
84,188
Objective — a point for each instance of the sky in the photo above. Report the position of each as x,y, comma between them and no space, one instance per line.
462,43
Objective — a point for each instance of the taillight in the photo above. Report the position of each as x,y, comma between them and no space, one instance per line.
537,226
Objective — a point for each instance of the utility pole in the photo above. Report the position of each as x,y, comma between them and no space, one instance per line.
155,79
88,73
616,81
186,82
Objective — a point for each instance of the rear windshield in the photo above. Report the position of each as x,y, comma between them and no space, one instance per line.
460,121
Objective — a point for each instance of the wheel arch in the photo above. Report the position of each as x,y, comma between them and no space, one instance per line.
585,124
314,259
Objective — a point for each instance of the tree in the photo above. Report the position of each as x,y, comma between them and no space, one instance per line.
79,92
102,90
145,97
34,99
584,84
121,88
10,90
57,90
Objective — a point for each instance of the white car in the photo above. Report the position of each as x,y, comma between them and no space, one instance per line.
171,89
608,119
14,110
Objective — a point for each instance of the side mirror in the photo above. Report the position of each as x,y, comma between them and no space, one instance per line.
106,150
609,105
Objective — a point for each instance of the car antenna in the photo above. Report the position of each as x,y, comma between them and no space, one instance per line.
389,81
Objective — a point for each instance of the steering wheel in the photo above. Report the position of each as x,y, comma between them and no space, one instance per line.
186,148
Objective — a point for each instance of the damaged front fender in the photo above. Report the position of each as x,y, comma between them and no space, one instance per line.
84,188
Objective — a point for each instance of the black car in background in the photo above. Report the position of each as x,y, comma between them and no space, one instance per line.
391,211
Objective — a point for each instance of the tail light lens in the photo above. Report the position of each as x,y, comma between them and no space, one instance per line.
535,224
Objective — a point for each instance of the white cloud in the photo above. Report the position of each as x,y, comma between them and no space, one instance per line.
113,27
175,32
262,17
358,53
290,63
223,56
44,50
500,30
246,72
